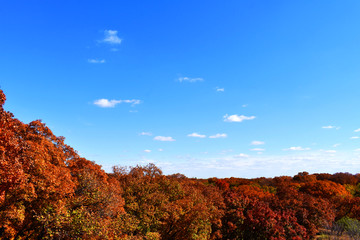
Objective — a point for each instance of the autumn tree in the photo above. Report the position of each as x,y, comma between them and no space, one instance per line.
34,177
251,218
175,208
97,204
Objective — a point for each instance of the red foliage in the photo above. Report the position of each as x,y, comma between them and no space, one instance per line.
311,212
251,218
324,189
47,191
222,184
344,178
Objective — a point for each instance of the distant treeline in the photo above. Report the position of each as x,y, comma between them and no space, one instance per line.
47,191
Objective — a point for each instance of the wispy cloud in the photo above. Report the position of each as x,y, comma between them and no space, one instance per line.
196,135
147,151
297,149
219,135
237,118
357,130
255,165
336,145
331,127
164,139
96,61
105,103
145,134
257,149
192,80
355,137
257,143
220,89
330,151
226,151
111,37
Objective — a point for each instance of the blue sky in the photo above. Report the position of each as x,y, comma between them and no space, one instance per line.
203,88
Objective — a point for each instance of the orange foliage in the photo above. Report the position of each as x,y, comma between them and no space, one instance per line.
324,189
253,191
47,191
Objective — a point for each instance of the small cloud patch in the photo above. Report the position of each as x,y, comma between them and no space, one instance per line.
237,118
191,80
331,127
296,149
96,61
111,37
220,89
241,155
164,139
257,143
257,149
145,134
105,103
196,135
219,135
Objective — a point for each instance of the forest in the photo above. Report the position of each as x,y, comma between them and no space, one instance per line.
47,191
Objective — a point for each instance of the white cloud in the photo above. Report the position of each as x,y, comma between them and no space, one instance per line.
196,135
220,89
145,134
259,165
237,118
96,61
132,101
357,130
241,155
147,150
187,79
336,145
331,127
244,105
257,149
356,137
164,139
111,37
160,150
257,143
330,151
219,135
105,103
297,149
226,151
357,150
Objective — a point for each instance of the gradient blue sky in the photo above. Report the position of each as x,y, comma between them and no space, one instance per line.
204,88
